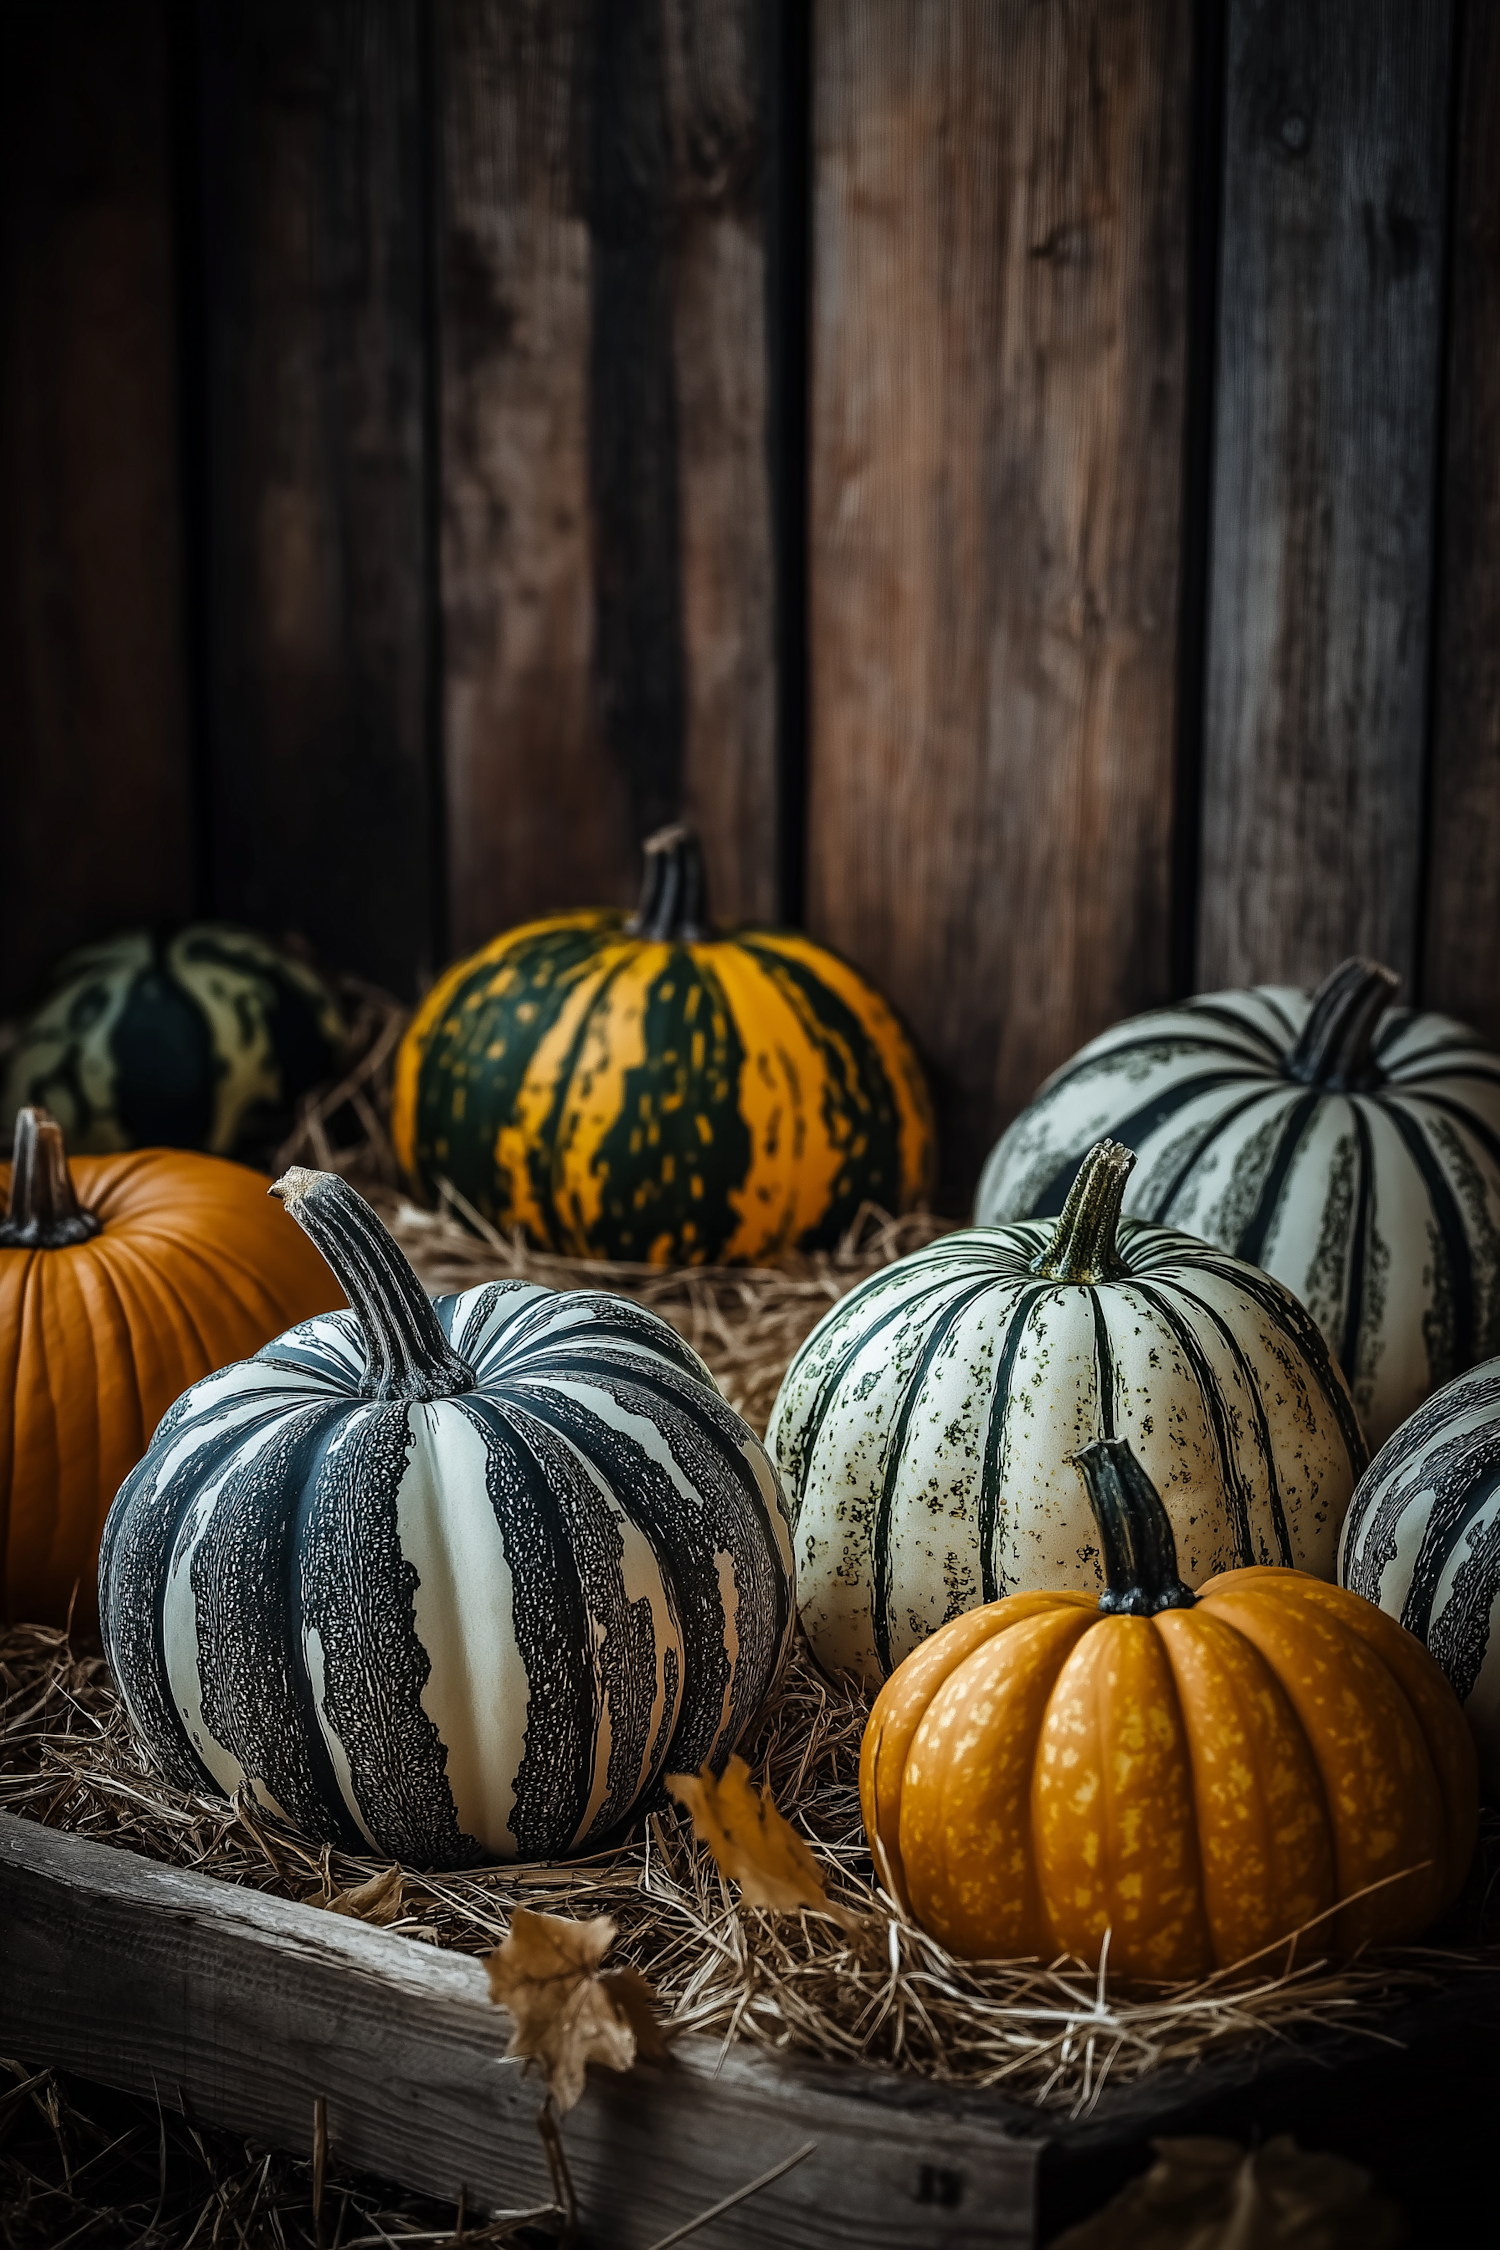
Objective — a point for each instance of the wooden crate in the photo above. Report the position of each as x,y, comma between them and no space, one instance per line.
240,2009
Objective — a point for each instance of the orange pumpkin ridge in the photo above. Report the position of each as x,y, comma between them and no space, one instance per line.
123,1279
1187,1779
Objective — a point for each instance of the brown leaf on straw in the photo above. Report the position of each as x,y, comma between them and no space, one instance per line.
380,1900
750,1841
567,2014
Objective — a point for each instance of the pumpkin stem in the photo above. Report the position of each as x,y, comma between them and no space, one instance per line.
406,1353
45,1213
1334,1049
1135,1532
1083,1245
674,893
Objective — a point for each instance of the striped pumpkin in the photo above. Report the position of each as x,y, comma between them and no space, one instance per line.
1422,1538
926,1428
1350,1148
203,1040
647,1089
451,1581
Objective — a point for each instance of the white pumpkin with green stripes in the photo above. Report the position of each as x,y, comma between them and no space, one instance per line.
926,1430
1350,1148
451,1581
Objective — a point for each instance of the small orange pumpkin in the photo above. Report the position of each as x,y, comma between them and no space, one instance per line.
1185,1778
121,1283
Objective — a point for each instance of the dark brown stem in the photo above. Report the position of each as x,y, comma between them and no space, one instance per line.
1083,1244
1335,1047
674,892
45,1213
1135,1532
406,1353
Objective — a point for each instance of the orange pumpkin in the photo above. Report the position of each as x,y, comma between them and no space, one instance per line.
1185,1778
120,1284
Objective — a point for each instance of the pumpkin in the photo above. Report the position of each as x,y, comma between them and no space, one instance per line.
1422,1538
449,1581
1183,1780
651,1089
926,1427
200,1040
121,1282
1350,1148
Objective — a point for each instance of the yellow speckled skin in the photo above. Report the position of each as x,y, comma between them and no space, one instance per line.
1198,1785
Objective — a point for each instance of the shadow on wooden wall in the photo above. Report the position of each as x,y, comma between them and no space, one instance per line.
1026,482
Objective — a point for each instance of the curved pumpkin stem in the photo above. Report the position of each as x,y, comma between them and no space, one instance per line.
45,1213
674,892
1135,1532
406,1353
1083,1246
1335,1047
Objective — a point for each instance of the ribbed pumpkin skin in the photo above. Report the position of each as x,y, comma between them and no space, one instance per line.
202,1040
619,1097
925,1428
1422,1538
194,1267
1199,1784
1379,1209
478,1627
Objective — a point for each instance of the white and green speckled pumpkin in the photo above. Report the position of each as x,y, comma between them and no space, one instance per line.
1349,1147
926,1429
451,1581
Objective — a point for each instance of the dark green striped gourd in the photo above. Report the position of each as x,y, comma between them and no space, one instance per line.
1350,1148
648,1087
203,1039
926,1430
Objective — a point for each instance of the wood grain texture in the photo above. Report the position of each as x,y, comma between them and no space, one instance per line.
313,288
1330,307
241,2009
607,567
97,822
997,431
1463,895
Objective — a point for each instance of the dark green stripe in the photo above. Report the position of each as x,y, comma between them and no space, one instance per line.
1358,1246
994,1439
1131,1131
1456,1248
1253,1239
1262,1422
1190,1163
1203,1374
1284,1311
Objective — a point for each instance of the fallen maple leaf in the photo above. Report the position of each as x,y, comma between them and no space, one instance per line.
750,1841
379,1900
567,2014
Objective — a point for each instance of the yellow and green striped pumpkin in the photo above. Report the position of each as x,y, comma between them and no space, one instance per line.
646,1088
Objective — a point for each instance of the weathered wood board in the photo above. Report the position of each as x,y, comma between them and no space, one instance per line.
999,350
607,567
242,2009
311,256
96,789
1325,461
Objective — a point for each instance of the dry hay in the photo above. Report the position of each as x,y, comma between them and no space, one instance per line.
870,1989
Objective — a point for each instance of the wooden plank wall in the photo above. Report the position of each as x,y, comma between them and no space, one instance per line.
413,486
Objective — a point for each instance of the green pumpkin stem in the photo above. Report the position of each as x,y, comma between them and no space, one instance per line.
1335,1047
406,1353
1135,1532
1083,1244
45,1213
674,892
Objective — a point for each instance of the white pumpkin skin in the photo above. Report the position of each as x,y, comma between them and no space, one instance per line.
925,1430
1376,1201
1422,1539
479,1624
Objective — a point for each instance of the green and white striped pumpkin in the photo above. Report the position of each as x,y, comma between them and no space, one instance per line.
926,1429
450,1581
1422,1539
1350,1148
200,1040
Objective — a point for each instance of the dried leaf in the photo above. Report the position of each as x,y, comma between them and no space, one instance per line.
1210,2195
567,2014
750,1841
380,1900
